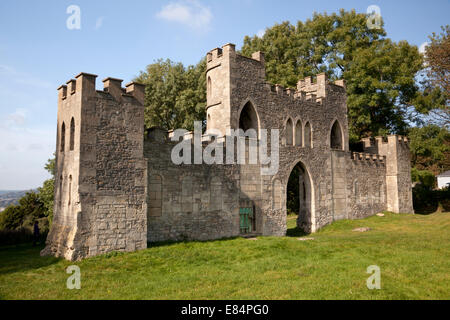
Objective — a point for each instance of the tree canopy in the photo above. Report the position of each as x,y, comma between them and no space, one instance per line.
384,95
436,84
33,206
380,74
175,96
46,192
29,209
430,148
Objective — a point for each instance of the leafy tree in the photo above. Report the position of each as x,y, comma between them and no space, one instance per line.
29,209
381,88
436,85
175,96
47,191
430,148
380,74
32,206
11,218
425,177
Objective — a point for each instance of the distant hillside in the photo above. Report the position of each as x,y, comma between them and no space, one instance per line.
8,197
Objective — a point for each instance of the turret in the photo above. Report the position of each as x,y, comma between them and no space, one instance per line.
321,87
99,156
398,172
226,72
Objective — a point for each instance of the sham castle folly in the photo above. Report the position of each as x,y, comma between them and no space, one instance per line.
118,189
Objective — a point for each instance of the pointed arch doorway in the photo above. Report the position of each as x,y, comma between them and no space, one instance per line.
300,197
248,118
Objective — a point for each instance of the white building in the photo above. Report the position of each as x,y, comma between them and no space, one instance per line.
443,180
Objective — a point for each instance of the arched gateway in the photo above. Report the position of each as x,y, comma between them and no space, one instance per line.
300,196
125,177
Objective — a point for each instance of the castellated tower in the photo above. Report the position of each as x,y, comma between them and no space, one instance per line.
398,170
101,180
117,188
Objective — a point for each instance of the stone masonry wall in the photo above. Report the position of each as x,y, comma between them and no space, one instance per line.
118,190
274,106
189,202
104,208
116,218
366,185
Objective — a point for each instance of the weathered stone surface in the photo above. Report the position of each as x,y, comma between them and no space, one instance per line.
118,190
98,178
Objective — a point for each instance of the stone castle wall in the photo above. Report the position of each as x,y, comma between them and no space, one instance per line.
189,202
104,206
117,189
366,185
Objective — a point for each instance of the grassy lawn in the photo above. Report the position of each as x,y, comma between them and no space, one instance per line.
413,252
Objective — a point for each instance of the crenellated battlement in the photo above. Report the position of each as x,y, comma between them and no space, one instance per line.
385,140
162,135
368,158
395,149
292,93
307,91
319,86
228,49
85,84
217,54
380,143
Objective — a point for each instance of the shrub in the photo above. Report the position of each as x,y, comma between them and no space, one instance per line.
11,218
426,201
425,177
23,215
18,236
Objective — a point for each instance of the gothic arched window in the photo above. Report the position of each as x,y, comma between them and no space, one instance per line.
72,134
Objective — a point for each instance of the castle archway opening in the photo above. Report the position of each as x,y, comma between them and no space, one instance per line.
299,197
248,118
336,136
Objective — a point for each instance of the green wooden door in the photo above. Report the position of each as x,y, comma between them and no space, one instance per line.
246,219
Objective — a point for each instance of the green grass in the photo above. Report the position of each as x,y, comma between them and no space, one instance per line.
413,252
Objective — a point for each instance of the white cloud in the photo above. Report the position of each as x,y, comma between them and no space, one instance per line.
5,69
11,147
187,12
99,23
17,118
27,130
423,47
35,146
27,151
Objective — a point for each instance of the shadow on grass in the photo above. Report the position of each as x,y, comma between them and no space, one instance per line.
426,201
174,242
296,232
426,210
23,257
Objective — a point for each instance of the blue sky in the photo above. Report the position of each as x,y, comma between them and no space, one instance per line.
119,38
